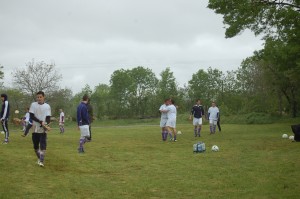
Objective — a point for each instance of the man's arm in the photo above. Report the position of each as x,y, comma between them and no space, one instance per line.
32,117
5,110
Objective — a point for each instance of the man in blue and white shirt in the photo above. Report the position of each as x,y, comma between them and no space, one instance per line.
83,122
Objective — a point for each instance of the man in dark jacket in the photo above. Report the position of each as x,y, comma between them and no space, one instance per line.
91,115
83,122
4,117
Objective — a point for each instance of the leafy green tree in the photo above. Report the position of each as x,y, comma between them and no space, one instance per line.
143,86
279,22
121,91
272,18
282,63
206,85
61,99
253,87
132,91
167,86
101,101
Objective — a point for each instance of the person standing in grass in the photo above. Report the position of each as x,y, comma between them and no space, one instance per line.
61,122
40,113
163,120
28,123
83,123
171,122
4,117
213,115
218,122
91,116
197,113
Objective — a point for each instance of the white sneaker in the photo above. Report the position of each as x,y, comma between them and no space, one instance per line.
41,164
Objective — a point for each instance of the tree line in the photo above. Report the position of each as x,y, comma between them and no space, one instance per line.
138,93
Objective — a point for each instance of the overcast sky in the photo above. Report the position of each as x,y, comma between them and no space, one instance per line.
89,39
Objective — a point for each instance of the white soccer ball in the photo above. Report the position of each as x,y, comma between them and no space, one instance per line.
215,148
179,132
285,136
291,137
17,112
2,132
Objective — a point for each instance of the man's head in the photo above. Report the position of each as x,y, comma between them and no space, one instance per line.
213,104
172,101
167,101
198,101
40,97
3,97
85,98
60,110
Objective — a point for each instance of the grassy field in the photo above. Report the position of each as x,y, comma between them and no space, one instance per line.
132,162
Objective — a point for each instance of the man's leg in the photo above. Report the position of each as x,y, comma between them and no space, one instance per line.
219,126
211,126
35,142
43,146
174,134
199,130
195,130
6,132
28,127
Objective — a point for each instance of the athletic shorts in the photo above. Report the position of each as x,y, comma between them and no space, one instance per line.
163,122
213,122
197,121
39,141
171,123
84,131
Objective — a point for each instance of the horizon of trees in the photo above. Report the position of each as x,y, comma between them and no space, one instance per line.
138,93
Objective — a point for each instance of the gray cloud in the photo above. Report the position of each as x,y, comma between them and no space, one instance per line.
88,40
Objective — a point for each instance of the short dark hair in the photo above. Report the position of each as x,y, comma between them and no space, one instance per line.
41,93
85,97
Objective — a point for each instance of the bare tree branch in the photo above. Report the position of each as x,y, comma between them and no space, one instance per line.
37,76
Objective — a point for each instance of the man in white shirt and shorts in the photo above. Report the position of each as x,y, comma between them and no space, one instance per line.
40,113
171,122
213,115
163,120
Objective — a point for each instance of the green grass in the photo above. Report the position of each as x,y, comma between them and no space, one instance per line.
132,162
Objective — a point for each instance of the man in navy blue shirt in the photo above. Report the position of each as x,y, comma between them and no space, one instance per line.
197,112
83,122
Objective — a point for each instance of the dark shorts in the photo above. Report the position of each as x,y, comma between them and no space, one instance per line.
39,141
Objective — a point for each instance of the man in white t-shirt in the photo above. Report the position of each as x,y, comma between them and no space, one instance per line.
40,113
171,122
213,116
163,120
61,121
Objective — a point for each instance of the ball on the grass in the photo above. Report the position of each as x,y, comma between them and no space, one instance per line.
17,112
291,137
215,148
285,136
2,132
179,132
